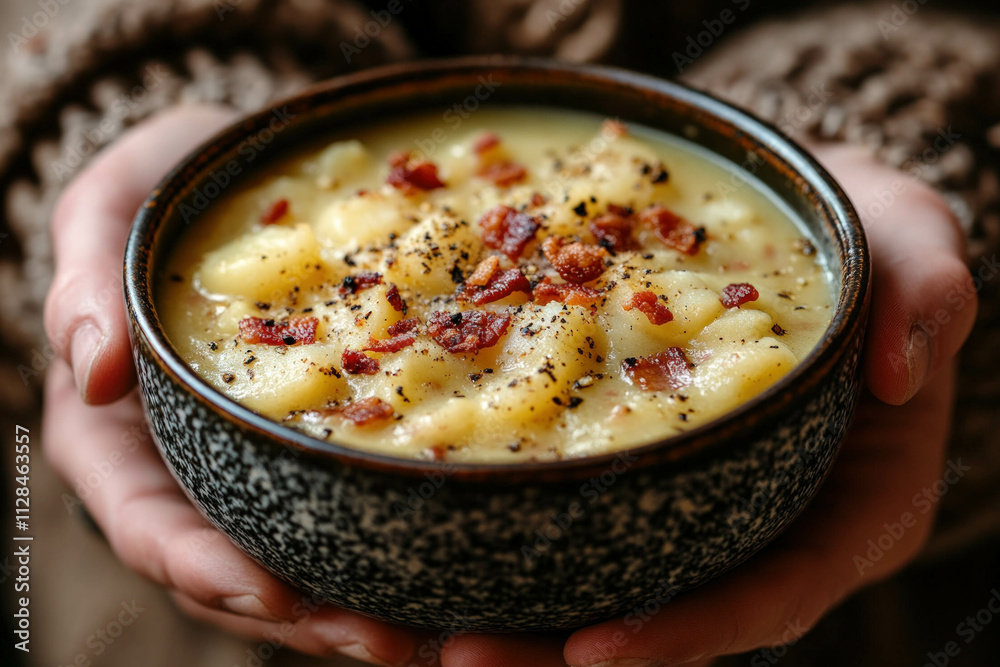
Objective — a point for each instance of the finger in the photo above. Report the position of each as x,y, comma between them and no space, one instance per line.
504,650
923,301
305,635
154,529
778,596
84,313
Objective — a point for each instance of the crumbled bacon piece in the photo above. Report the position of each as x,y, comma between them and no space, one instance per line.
568,293
410,177
576,262
358,363
504,173
673,230
394,299
403,326
648,303
394,344
468,331
364,280
268,332
538,199
614,128
508,230
401,335
485,142
669,369
484,271
614,229
778,331
499,285
275,212
365,411
736,294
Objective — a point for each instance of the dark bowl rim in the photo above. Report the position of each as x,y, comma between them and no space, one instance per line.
847,323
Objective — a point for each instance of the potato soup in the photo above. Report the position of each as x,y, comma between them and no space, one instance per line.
532,284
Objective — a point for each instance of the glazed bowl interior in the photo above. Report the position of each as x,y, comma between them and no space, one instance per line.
303,121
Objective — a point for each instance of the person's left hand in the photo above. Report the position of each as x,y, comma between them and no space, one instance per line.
893,454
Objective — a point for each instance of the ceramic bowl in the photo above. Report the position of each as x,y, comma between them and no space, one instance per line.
496,548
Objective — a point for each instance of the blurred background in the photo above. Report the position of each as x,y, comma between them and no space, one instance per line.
883,97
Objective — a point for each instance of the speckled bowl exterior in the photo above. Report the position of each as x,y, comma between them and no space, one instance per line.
515,547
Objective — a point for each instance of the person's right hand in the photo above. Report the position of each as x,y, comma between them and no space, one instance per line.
148,521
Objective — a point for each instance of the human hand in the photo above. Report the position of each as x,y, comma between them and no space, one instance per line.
923,307
148,521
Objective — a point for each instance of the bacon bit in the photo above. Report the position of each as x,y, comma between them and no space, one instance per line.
358,363
614,128
394,344
648,303
275,212
365,411
568,293
504,173
673,230
500,285
577,262
778,331
736,294
614,229
403,326
508,230
468,331
268,332
484,271
538,199
410,177
396,301
669,369
401,334
361,281
485,142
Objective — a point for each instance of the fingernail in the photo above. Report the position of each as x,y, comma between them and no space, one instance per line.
359,652
248,605
83,350
346,643
918,357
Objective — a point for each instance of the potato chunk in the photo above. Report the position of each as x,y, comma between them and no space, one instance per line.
262,265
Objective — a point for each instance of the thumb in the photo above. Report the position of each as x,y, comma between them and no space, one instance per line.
923,300
84,310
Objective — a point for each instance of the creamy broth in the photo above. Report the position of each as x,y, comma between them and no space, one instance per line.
561,286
